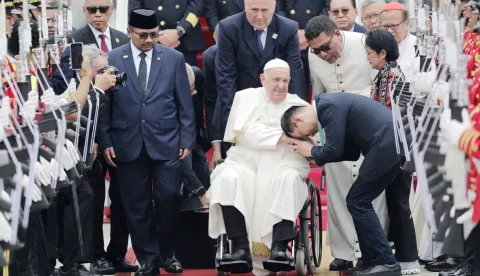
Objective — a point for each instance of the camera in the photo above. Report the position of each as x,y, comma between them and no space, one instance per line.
121,77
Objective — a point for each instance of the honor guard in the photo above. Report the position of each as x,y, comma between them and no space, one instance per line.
470,142
471,12
179,24
216,10
472,47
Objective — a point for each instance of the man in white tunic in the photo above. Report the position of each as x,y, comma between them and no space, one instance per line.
338,63
258,192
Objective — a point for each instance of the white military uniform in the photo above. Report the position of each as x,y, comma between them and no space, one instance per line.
263,180
350,73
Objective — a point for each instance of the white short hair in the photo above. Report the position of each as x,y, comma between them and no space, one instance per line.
366,3
92,51
191,75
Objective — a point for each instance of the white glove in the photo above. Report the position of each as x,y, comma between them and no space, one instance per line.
5,197
67,161
452,130
54,166
5,230
41,175
46,165
73,151
36,193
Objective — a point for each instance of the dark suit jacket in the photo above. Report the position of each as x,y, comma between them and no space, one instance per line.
302,11
239,62
173,13
359,29
163,120
354,124
199,107
85,36
216,10
210,86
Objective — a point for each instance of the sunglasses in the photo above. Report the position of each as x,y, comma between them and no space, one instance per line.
144,36
102,9
324,48
336,12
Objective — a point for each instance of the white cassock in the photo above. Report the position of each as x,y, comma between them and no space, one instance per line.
350,73
265,182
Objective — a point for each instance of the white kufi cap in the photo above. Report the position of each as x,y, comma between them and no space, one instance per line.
276,63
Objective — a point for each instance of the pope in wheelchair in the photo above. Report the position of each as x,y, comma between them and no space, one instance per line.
259,190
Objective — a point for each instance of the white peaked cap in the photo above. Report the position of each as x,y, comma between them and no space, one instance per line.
276,63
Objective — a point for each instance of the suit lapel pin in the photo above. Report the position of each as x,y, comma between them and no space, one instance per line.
158,58
274,36
125,57
117,40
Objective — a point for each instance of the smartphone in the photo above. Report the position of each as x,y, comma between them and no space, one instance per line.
76,57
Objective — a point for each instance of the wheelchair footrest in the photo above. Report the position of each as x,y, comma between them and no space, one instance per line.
235,267
278,266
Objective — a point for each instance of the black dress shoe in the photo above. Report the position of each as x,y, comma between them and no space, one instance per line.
239,261
172,265
443,263
102,266
122,265
148,269
77,270
465,269
380,270
339,264
279,261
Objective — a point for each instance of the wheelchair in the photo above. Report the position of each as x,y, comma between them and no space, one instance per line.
305,250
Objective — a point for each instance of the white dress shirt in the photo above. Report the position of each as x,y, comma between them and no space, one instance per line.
108,38
407,61
136,59
263,37
351,72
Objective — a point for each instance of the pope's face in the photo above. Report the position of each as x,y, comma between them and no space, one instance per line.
275,81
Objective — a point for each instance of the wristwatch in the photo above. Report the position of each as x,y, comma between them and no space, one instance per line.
180,31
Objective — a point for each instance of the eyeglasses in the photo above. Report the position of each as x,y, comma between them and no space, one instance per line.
102,9
144,36
336,12
324,48
375,16
394,27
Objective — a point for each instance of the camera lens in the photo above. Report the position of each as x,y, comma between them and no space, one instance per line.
121,79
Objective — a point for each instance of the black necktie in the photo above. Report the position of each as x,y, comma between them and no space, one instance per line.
260,45
142,73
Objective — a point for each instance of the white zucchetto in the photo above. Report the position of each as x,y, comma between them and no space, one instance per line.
276,63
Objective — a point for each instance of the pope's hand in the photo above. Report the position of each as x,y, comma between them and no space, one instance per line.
452,130
302,147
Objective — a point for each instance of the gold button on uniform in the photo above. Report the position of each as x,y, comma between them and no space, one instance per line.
307,11
160,8
292,12
162,23
177,6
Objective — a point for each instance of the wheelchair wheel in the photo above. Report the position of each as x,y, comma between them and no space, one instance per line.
300,266
308,227
316,226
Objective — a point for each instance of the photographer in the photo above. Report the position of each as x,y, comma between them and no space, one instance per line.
112,261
